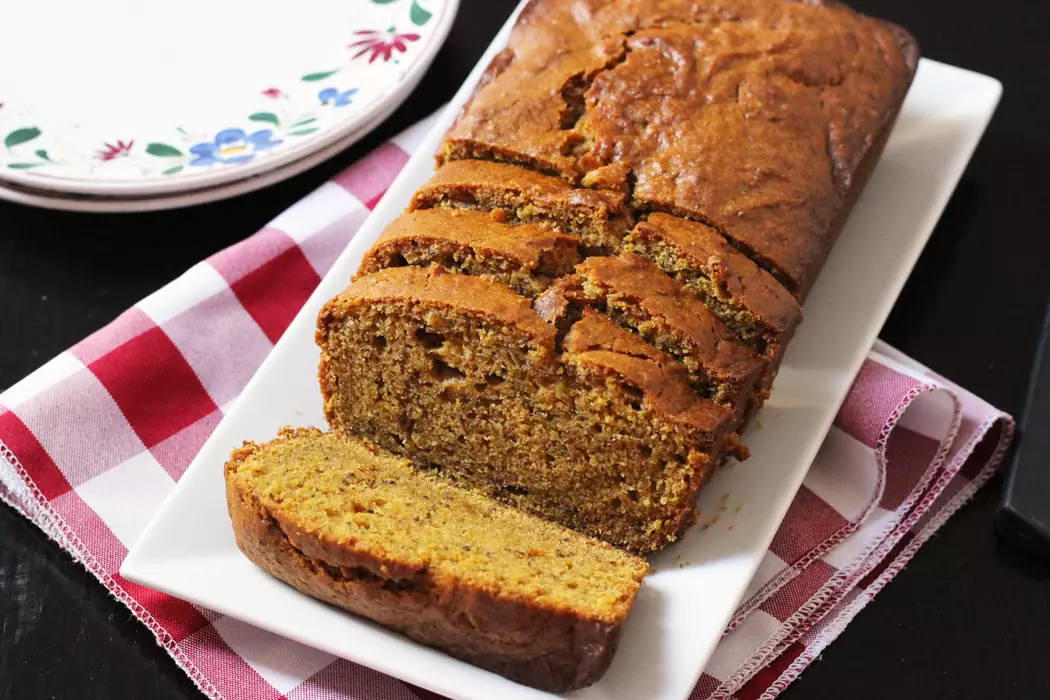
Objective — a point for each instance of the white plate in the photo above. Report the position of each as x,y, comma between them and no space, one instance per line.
123,205
188,549
170,97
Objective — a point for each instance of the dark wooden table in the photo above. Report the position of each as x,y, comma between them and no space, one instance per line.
969,618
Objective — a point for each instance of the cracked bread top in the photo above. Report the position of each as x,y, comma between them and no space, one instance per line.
754,116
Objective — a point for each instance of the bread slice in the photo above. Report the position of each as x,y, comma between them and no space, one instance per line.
748,300
640,297
526,257
751,303
597,431
359,528
599,218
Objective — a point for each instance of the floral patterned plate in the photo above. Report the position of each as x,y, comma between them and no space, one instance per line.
124,204
144,99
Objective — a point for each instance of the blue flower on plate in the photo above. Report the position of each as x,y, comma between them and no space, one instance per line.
233,146
335,98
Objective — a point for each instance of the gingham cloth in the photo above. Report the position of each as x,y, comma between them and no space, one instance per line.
93,442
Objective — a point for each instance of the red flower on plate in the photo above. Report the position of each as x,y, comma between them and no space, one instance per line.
112,151
273,93
381,43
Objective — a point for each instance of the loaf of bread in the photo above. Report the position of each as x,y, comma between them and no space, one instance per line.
575,319
590,300
345,522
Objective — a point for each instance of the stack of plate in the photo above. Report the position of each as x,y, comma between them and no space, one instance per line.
116,105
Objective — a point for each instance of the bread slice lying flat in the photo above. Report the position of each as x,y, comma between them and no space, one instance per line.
364,530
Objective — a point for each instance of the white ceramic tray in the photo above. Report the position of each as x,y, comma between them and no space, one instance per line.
188,550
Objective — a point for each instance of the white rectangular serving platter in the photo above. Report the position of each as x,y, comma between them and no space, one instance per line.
188,549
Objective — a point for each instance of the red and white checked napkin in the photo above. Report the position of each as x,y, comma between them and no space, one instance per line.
92,443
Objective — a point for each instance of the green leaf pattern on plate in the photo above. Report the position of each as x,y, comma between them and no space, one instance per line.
418,15
314,77
20,136
163,150
268,117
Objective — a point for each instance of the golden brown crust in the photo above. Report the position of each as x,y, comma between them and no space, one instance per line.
549,648
483,233
485,179
596,331
756,116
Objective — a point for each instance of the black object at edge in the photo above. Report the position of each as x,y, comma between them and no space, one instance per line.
1024,514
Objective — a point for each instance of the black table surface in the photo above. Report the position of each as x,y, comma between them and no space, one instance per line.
968,618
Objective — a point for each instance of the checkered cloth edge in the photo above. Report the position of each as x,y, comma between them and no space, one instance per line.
93,442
